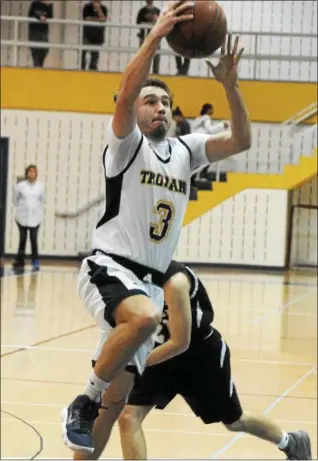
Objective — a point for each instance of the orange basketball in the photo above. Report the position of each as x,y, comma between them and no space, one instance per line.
203,35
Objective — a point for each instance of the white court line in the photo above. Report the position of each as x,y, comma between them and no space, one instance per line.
215,278
257,320
283,307
65,458
62,349
44,348
273,311
274,362
154,412
258,281
174,431
267,410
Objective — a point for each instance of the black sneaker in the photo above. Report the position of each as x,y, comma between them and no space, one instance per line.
299,446
18,267
77,424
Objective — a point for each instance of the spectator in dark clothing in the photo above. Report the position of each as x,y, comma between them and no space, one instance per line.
182,125
148,15
41,10
96,12
183,65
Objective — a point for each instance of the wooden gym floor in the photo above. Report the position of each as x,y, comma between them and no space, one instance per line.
269,321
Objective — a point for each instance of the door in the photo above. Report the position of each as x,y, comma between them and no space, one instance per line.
4,154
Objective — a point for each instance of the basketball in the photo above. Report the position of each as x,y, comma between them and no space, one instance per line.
203,35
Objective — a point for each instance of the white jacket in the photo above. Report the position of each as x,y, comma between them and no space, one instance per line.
204,124
29,201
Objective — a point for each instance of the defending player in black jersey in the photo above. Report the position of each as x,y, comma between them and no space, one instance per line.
201,375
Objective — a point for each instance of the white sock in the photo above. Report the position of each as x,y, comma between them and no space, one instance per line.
284,442
95,387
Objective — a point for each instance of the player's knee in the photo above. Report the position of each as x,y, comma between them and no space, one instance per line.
129,419
237,426
146,323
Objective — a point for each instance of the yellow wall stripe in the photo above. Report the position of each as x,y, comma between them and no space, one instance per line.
91,92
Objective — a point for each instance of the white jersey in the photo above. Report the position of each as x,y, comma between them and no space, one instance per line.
147,191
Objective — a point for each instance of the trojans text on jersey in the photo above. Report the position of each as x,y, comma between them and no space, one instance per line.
156,179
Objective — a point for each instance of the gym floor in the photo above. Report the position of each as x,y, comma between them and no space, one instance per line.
47,339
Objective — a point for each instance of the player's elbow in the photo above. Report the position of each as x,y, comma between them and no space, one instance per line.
244,142
240,145
182,343
182,346
177,288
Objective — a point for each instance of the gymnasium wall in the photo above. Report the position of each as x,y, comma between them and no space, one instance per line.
249,16
67,147
247,229
305,231
251,228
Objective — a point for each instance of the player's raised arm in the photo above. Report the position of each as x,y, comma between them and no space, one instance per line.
138,69
238,139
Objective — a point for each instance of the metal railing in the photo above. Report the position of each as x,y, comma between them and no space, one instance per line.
301,116
257,51
272,150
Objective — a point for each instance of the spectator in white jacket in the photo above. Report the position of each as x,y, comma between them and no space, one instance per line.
29,202
205,124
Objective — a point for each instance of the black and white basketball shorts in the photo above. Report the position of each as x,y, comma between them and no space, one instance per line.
107,280
201,375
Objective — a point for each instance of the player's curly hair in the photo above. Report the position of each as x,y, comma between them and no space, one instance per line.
157,83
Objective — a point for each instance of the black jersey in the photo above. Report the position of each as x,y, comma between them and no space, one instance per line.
201,307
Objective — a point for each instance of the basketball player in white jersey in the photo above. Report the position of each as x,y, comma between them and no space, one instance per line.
147,188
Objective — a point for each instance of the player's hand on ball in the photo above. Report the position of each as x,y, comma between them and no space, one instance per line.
174,13
226,69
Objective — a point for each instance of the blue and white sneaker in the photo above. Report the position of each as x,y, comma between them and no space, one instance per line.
36,265
77,424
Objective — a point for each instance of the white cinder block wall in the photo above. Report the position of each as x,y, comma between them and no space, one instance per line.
67,148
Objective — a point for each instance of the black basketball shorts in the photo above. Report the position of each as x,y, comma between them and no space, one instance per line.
201,375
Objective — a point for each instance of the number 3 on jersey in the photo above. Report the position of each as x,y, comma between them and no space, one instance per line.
165,211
